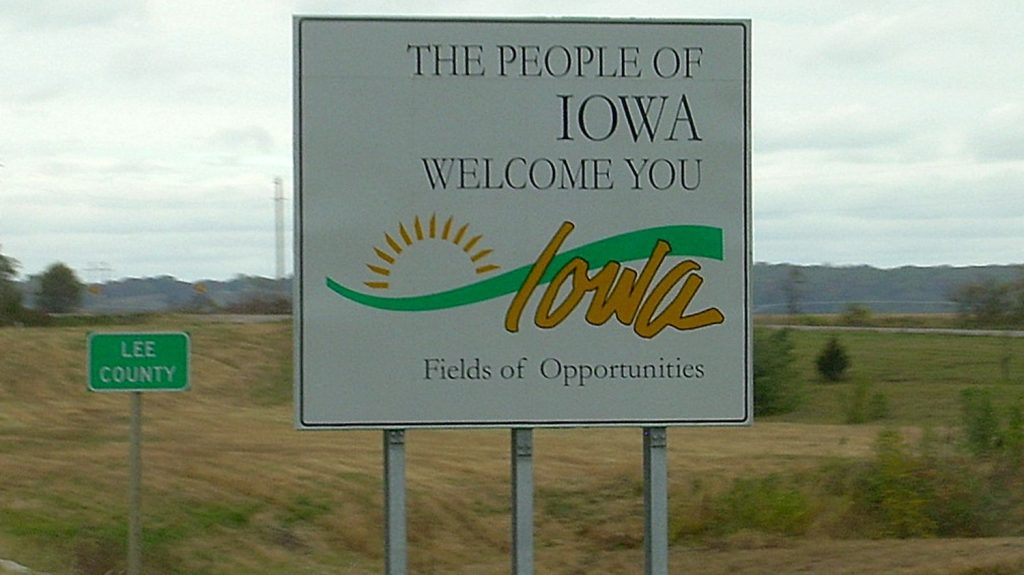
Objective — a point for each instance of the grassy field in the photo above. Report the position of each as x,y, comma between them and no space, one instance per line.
921,374
231,488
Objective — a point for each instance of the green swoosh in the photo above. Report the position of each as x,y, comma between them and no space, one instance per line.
693,241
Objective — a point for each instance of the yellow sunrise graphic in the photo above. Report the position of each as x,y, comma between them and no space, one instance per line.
446,239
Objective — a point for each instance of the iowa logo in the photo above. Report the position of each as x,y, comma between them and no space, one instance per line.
592,278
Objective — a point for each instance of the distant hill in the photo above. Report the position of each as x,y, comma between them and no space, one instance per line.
827,289
166,293
820,289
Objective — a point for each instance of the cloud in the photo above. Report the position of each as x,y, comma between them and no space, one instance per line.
41,93
147,133
924,213
811,239
843,126
246,139
142,62
999,134
864,39
51,14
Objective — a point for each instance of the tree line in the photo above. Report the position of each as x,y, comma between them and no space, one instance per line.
992,303
60,291
815,289
993,297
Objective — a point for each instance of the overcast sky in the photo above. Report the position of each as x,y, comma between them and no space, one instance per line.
143,136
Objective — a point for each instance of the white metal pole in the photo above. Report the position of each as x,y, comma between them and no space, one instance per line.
655,501
522,501
395,556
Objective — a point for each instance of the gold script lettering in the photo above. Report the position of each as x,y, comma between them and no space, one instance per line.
617,291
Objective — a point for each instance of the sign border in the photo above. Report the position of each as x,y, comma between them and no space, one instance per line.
297,284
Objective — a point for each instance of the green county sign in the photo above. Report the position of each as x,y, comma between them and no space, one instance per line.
522,222
157,361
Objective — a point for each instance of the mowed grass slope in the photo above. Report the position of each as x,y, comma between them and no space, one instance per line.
231,488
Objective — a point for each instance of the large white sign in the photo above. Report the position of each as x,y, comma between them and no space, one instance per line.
522,222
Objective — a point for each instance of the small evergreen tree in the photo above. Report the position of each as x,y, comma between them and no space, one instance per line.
833,360
776,386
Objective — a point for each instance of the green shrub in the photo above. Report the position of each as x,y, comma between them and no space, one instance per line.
903,494
893,492
986,434
1013,441
878,406
856,314
765,504
980,422
833,360
864,405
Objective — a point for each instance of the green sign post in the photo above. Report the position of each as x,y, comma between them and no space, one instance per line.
137,363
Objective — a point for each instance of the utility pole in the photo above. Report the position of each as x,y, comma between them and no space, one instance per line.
279,226
99,273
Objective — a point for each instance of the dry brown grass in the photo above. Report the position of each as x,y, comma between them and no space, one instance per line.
231,488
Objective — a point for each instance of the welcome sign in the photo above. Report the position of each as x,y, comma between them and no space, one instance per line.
522,222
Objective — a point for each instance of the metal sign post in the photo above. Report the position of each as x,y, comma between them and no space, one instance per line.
655,501
522,501
135,487
395,556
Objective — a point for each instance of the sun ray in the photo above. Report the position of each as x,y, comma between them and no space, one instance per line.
391,242
480,255
420,230
472,242
384,255
447,228
459,234
418,227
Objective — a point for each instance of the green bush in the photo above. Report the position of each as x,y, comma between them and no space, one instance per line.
768,505
764,504
902,491
984,432
894,492
904,494
980,422
833,360
1013,441
856,314
864,404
